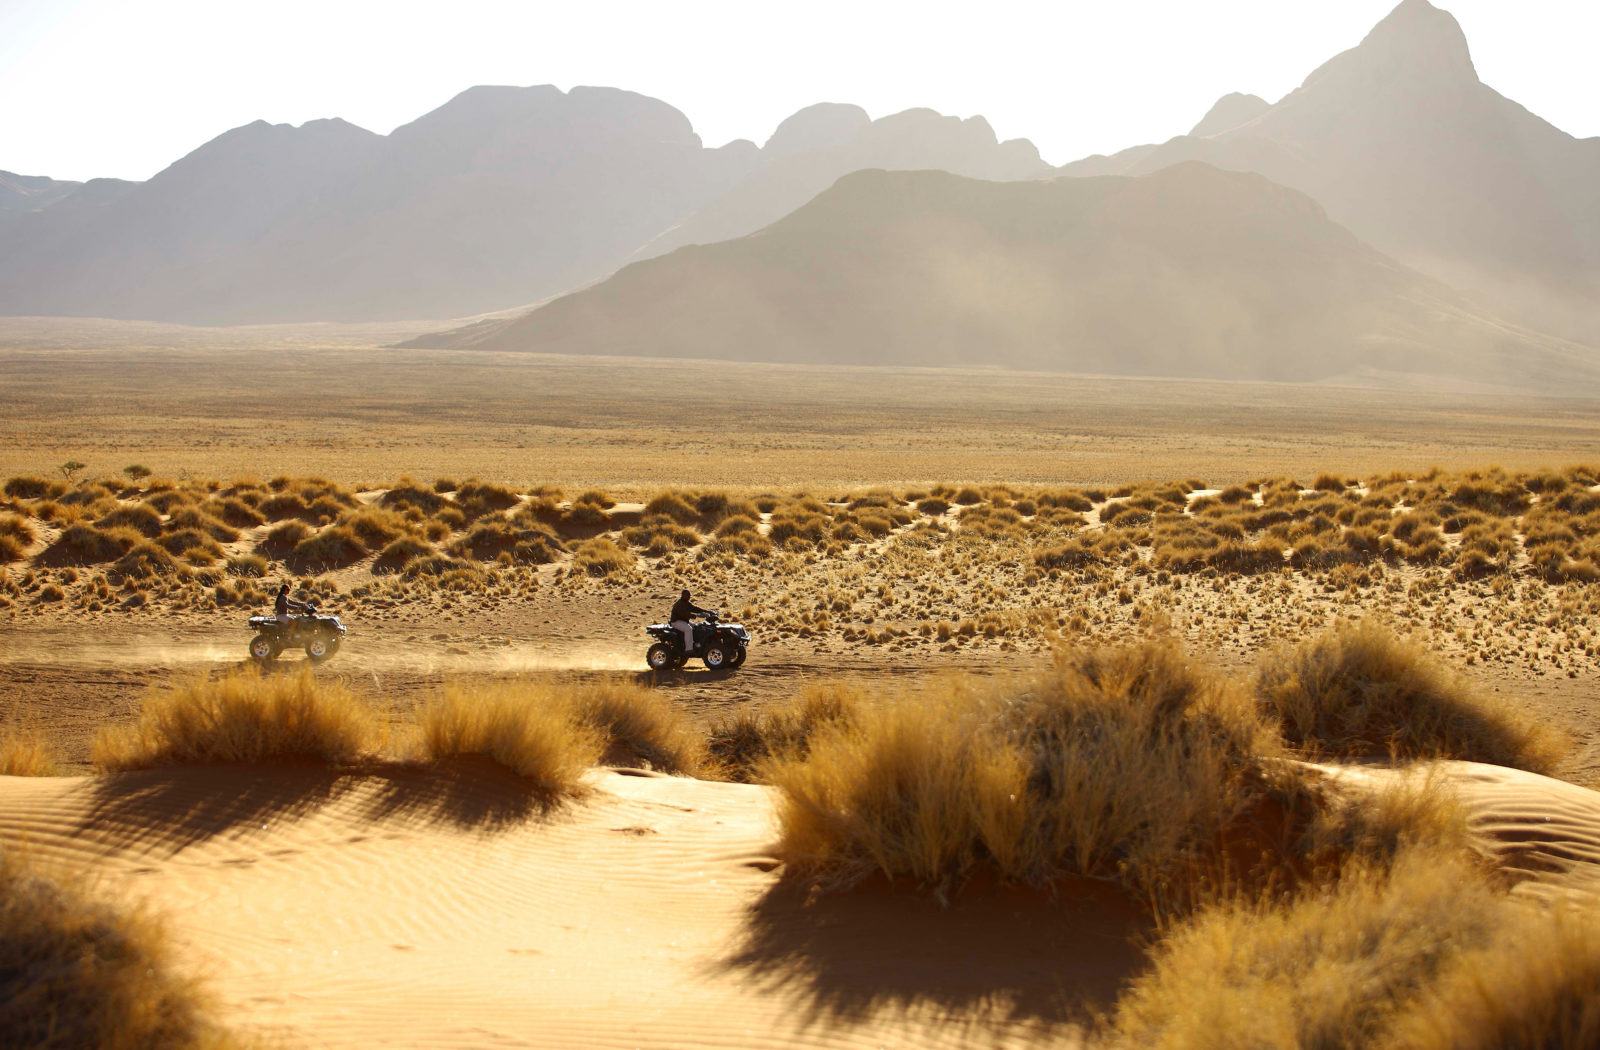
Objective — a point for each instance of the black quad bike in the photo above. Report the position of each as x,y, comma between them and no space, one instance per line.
721,645
321,635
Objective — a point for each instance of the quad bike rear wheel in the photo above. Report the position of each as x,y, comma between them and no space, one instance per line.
661,657
262,648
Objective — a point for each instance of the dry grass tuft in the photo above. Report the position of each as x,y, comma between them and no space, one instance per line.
740,746
26,752
639,727
1536,988
524,727
1333,967
1127,765
243,717
77,972
1360,690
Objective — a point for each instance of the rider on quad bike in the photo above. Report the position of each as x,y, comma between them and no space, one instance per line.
682,610
285,607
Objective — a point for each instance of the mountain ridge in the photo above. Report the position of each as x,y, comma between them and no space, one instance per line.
1064,275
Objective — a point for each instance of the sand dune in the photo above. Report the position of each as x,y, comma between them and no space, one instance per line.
334,910
1542,832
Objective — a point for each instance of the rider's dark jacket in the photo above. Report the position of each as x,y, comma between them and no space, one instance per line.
682,610
284,603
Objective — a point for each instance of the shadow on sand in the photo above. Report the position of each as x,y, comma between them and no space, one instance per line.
178,807
1007,955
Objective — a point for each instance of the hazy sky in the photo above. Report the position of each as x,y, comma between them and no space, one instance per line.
120,88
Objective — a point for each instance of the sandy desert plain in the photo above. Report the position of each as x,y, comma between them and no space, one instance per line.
1080,710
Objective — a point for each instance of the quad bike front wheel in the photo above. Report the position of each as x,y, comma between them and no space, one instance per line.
716,657
661,657
736,658
262,648
319,648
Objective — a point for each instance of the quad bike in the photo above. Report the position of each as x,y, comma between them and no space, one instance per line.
321,635
721,645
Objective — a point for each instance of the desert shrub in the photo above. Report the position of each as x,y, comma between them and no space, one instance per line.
967,496
1331,967
139,517
243,717
1359,689
1071,554
404,496
477,498
396,555
334,545
25,752
596,498
283,505
600,557
184,540
199,520
441,566
145,559
16,536
235,511
87,494
1066,499
167,500
674,505
1127,765
247,565
739,746
33,487
737,524
88,545
639,726
1535,986
284,537
531,542
526,728
660,535
713,507
374,527
443,485
77,972
801,521
933,506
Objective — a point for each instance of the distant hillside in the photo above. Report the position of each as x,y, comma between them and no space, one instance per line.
1191,271
503,196
20,193
1402,143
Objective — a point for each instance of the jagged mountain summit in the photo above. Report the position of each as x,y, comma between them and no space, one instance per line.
1402,143
499,197
1190,271
502,197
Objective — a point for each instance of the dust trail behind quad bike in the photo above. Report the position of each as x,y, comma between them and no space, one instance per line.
199,648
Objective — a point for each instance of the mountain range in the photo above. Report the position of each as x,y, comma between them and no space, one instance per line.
1420,211
1189,271
501,197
